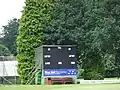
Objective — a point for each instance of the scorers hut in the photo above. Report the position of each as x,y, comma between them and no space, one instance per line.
58,63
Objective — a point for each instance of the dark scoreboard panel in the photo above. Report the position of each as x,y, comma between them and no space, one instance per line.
59,57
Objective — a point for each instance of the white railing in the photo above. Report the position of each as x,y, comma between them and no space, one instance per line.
98,81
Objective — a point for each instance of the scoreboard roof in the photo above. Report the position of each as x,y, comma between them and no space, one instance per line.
58,46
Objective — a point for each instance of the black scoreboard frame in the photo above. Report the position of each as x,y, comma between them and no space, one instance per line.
56,57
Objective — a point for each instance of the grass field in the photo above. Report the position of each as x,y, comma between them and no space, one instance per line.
64,87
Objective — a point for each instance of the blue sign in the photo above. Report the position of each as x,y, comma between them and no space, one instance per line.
60,72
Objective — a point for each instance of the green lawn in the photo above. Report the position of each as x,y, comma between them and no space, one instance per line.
64,87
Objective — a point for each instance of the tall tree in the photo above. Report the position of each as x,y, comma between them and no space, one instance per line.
35,16
66,20
80,22
94,39
113,19
9,35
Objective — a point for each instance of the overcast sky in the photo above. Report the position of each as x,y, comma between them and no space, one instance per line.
10,9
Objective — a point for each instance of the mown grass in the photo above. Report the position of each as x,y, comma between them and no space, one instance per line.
62,87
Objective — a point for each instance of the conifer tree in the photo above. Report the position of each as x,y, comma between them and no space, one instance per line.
35,16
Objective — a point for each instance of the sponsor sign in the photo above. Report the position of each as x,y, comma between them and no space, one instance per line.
60,72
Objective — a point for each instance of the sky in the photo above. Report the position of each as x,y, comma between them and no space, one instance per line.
10,9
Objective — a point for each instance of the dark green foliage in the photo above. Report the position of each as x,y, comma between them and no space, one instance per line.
9,34
117,62
35,16
93,66
79,22
103,30
98,39
110,66
66,20
113,13
4,51
91,74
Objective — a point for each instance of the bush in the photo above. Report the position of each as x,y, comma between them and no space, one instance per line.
92,75
80,73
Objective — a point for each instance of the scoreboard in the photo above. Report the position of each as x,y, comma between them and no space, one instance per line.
59,60
59,57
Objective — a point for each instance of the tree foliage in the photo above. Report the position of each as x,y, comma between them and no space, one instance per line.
35,16
113,12
65,23
4,51
104,29
9,35
79,22
110,66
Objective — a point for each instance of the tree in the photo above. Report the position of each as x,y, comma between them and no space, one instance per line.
95,39
35,16
77,22
66,23
66,20
9,34
103,31
113,9
4,51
